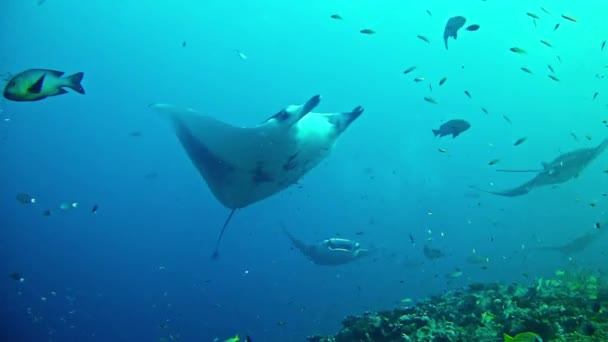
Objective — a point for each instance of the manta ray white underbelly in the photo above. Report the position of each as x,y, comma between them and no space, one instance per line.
243,165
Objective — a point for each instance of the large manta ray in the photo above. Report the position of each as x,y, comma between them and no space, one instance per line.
243,165
562,169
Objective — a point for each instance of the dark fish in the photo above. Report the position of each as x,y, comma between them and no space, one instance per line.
553,77
47,212
432,253
473,27
367,31
603,45
559,59
336,16
453,127
442,81
430,100
493,162
135,134
570,18
451,28
556,27
184,43
533,15
544,10
410,69
574,136
412,238
526,70
429,13
423,38
483,109
466,92
507,119
518,50
16,276
551,68
546,43
595,95
94,209
520,141
25,199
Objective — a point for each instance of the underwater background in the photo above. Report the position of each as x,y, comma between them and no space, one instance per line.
138,268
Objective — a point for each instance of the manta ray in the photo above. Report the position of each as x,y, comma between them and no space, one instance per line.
577,245
562,169
243,165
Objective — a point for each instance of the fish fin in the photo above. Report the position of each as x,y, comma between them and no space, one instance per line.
37,86
454,135
436,132
545,165
455,35
74,82
507,337
61,91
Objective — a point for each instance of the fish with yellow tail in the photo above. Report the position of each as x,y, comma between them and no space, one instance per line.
523,337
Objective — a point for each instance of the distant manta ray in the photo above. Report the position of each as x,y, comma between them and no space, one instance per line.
577,245
562,169
244,165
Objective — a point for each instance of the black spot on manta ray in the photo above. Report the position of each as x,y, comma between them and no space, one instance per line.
259,176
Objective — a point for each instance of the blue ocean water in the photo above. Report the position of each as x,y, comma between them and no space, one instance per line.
138,269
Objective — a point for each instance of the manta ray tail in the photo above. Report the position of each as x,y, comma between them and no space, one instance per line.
216,252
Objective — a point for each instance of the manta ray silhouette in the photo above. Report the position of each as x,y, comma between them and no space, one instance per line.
562,169
243,165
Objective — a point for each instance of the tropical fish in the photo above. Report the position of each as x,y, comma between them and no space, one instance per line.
523,337
24,198
453,127
38,84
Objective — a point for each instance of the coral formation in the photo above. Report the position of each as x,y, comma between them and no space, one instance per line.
570,307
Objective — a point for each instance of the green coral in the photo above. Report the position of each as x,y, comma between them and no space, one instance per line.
571,307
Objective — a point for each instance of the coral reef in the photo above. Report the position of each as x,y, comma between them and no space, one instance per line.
569,307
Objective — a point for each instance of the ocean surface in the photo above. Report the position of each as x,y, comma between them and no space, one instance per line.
129,258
